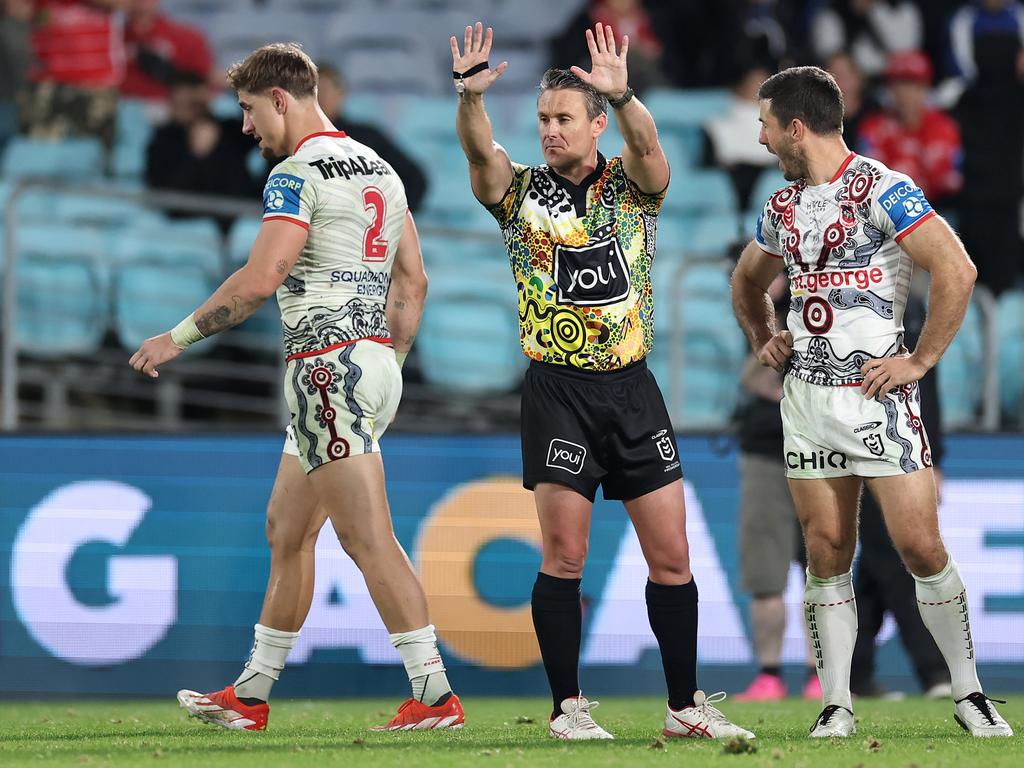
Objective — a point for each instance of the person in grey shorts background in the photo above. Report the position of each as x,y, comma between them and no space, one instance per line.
770,538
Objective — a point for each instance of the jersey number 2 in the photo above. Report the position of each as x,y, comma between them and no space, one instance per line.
374,248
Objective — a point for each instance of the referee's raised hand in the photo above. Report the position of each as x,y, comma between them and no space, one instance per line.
476,47
607,68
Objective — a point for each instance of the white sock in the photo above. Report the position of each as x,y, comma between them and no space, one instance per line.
942,600
830,610
423,663
266,661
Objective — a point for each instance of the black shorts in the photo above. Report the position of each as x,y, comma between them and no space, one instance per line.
584,429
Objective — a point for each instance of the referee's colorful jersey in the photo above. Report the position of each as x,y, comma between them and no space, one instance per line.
581,256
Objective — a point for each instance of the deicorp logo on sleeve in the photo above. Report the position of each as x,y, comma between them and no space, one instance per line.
282,194
565,455
904,204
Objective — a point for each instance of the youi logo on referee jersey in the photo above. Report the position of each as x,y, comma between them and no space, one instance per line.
592,275
565,455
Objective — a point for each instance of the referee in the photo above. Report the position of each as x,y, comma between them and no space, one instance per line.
580,234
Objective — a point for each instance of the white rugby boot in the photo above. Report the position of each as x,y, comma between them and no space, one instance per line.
702,721
834,721
978,717
575,721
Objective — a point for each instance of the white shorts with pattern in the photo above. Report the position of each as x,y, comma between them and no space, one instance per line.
341,401
836,431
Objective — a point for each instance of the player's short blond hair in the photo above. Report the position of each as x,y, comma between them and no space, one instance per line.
277,65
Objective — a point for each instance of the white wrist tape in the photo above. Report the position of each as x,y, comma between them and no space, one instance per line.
186,332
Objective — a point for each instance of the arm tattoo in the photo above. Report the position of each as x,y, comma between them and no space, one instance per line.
224,317
399,304
281,267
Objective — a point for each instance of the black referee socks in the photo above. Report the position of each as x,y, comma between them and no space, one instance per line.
672,611
558,621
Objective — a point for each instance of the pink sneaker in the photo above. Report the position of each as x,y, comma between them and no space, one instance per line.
812,689
764,687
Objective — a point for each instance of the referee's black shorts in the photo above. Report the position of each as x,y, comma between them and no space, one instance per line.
585,429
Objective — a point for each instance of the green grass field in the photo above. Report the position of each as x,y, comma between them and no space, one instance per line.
913,732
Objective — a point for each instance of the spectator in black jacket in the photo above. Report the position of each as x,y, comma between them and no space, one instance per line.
991,117
881,581
197,152
331,93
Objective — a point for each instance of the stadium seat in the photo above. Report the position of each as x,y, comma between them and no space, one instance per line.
672,107
134,125
358,41
173,244
447,256
1010,323
699,191
673,232
468,342
240,239
960,373
699,349
768,183
62,289
234,34
151,297
714,233
113,213
79,158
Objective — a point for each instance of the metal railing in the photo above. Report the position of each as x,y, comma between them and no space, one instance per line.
425,408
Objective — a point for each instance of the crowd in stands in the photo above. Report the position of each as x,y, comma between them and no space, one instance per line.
933,88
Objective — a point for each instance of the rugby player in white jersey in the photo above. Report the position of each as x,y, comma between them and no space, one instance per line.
340,250
848,233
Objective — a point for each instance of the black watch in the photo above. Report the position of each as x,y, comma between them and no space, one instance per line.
623,100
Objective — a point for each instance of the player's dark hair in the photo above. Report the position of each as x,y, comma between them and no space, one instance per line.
277,65
562,79
808,94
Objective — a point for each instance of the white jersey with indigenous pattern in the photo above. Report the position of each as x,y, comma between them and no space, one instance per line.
354,206
848,276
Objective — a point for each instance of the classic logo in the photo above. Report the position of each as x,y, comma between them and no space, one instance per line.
867,426
816,460
663,442
565,455
873,443
592,275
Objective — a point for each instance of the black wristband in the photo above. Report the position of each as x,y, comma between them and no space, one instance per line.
623,100
471,71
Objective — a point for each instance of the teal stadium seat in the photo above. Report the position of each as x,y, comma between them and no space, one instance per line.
446,256
1011,356
768,183
468,342
671,106
672,238
713,233
961,373
63,300
240,239
179,242
151,297
133,132
700,191
695,330
79,158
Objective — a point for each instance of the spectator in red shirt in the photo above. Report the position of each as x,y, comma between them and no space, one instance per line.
78,64
912,137
159,50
